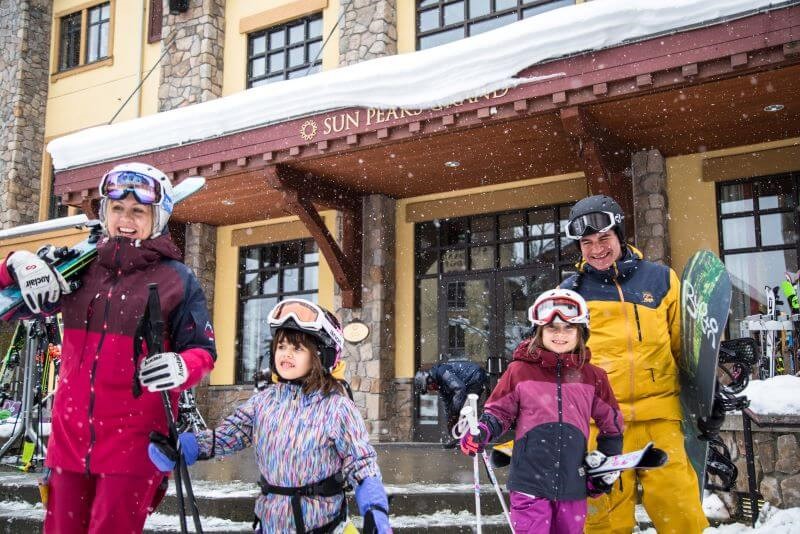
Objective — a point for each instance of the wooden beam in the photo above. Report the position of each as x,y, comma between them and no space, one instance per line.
603,157
298,197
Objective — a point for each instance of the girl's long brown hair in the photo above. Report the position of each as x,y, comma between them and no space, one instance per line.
580,347
318,378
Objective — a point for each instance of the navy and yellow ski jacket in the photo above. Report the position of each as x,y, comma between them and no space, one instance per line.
634,310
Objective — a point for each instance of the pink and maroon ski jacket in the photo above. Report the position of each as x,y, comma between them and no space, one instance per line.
98,426
550,398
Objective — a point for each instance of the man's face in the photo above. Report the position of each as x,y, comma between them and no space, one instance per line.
601,250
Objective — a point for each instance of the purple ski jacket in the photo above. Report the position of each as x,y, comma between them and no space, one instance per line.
551,398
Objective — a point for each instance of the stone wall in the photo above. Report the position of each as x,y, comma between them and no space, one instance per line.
369,30
192,70
201,257
215,403
383,400
24,71
650,205
777,462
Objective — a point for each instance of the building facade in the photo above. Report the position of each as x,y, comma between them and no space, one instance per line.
436,227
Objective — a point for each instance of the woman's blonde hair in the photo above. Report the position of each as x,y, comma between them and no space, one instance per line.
580,348
318,378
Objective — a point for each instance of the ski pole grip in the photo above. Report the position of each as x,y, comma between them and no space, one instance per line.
472,416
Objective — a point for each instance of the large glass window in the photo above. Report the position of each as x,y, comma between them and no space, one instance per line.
268,274
88,29
291,50
468,267
758,238
443,21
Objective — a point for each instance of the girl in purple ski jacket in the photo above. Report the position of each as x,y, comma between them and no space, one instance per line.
550,391
309,438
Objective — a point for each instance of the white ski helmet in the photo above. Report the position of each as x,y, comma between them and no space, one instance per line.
147,184
560,304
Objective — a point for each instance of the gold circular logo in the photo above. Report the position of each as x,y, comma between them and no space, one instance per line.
308,130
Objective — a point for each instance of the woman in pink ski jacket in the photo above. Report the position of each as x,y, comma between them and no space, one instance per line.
101,479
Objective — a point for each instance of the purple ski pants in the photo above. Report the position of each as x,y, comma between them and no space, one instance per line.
535,515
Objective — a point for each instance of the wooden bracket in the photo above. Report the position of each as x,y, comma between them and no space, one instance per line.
300,192
603,157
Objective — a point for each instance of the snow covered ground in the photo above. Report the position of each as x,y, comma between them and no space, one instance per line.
776,395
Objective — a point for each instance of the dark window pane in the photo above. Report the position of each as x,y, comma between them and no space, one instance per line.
563,219
455,231
511,226
482,230
512,254
250,259
297,34
549,6
479,8
70,45
774,194
542,251
250,285
428,310
427,235
482,258
277,39
426,261
738,233
255,336
441,38
454,260
736,198
453,13
315,27
426,3
778,229
291,253
428,20
311,252
258,45
491,24
541,223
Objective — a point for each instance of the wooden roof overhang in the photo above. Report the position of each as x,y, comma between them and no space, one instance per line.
700,89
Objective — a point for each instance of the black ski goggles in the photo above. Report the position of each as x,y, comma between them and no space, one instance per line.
591,223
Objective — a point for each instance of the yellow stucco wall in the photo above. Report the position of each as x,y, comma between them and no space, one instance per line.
226,293
692,201
404,254
235,59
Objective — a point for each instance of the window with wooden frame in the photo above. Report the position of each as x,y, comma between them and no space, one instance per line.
289,50
84,36
444,21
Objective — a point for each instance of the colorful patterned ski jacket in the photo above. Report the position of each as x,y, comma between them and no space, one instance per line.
551,398
98,426
636,332
299,439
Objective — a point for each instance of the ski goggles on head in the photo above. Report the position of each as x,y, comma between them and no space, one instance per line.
595,222
117,185
306,315
547,310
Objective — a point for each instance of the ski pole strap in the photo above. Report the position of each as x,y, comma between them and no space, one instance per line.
328,487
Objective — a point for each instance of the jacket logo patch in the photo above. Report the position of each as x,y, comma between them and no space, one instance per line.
647,297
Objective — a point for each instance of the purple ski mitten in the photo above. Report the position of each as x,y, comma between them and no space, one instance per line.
373,505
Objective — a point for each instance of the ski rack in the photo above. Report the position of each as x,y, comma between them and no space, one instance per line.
764,328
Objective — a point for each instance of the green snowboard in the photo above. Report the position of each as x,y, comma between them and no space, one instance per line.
705,304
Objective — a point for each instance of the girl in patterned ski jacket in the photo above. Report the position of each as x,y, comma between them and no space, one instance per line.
550,391
309,437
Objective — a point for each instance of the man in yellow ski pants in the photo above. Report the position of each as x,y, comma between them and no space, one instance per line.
634,307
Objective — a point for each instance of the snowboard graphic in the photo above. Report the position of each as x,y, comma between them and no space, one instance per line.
11,305
705,304
648,457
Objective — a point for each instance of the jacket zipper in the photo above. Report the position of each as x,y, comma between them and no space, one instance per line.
638,326
630,345
93,373
560,429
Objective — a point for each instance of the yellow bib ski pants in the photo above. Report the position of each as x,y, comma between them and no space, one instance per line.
670,493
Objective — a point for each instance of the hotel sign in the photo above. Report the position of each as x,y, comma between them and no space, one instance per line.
352,120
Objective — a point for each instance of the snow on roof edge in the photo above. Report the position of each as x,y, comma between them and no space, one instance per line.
420,80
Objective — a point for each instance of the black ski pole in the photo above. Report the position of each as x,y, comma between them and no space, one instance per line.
151,332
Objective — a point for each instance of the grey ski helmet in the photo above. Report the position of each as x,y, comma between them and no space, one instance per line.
581,220
421,381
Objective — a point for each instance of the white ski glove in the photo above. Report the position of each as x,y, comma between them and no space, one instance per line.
163,371
38,281
595,459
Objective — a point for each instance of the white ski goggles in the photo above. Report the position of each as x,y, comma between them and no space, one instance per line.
116,185
596,222
306,315
547,310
